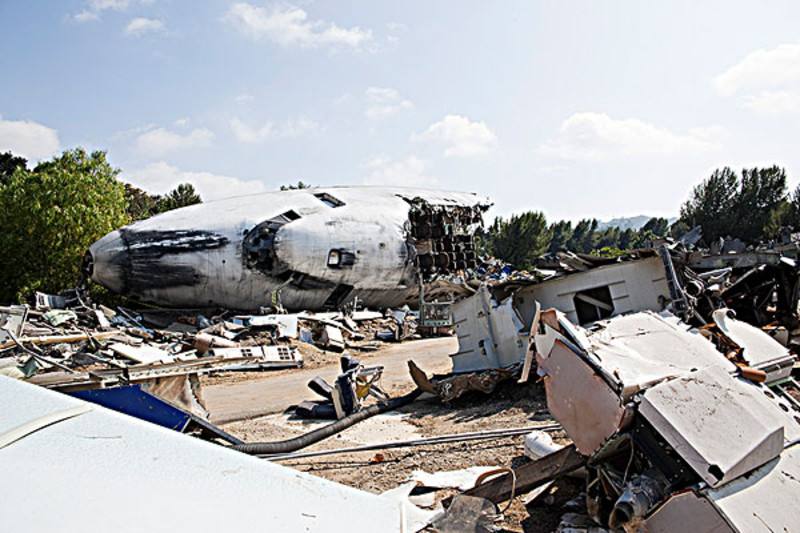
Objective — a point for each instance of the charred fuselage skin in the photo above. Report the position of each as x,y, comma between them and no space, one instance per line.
317,248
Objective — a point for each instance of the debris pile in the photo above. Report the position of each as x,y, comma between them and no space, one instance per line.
493,325
123,357
676,426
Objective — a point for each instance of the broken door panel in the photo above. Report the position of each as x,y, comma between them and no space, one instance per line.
490,335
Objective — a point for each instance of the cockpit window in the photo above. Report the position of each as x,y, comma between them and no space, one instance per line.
327,199
258,245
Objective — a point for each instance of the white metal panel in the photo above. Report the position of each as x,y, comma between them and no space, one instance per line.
490,335
104,471
759,349
634,285
714,423
765,501
644,348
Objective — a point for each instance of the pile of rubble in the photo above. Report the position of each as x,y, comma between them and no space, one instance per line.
66,343
675,428
672,371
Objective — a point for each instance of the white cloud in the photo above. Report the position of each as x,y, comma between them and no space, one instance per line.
384,102
159,141
30,140
762,69
460,136
774,102
767,81
596,136
404,172
94,8
289,26
102,5
86,16
292,128
161,177
141,26
244,98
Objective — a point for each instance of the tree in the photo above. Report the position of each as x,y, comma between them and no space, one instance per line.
678,229
561,232
49,216
792,210
761,192
750,207
711,204
626,239
608,238
657,226
520,239
299,185
140,204
143,205
583,237
9,163
181,196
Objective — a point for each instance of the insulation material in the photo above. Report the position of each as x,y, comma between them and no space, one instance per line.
145,354
463,479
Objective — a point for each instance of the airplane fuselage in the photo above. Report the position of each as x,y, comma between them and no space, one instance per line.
311,248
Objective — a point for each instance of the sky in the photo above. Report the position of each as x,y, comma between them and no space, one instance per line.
574,108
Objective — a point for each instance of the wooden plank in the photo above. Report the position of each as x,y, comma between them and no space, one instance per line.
60,339
530,475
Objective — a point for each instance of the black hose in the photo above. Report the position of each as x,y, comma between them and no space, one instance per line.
312,437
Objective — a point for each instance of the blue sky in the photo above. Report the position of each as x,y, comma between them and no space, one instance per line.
574,108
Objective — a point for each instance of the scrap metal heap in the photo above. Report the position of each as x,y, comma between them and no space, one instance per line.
680,428
671,370
121,357
761,286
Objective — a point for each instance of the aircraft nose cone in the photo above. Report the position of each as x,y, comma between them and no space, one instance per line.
106,260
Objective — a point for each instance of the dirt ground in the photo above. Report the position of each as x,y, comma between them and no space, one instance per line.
510,406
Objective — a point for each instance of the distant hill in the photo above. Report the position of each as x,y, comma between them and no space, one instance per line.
624,223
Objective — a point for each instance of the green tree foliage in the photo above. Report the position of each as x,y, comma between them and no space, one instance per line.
748,208
143,205
49,216
761,193
299,185
608,238
182,196
678,229
657,226
561,232
626,239
520,239
583,238
9,163
711,204
788,214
